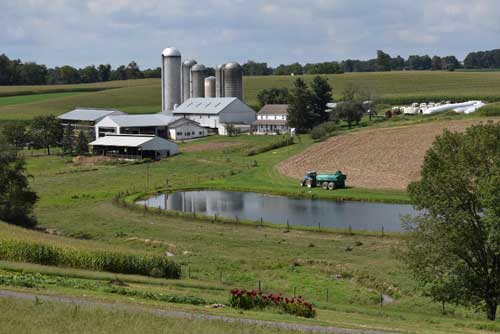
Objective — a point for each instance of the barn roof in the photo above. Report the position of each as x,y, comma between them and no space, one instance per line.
141,120
206,105
143,141
89,114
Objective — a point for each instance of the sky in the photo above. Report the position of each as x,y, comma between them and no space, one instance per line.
84,32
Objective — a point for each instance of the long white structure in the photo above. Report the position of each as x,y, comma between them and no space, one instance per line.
465,107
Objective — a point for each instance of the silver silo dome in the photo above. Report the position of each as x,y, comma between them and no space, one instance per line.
170,78
187,89
219,80
198,74
210,87
233,80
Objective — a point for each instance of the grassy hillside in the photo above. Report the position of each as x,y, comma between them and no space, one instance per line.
76,202
143,96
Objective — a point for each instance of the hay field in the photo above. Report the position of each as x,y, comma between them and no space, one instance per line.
380,158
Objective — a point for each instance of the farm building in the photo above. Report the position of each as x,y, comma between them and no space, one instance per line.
216,113
134,146
86,118
272,119
161,125
184,128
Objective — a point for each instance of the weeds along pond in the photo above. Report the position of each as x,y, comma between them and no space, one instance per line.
280,209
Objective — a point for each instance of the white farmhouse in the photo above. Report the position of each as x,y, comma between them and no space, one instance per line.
272,119
216,113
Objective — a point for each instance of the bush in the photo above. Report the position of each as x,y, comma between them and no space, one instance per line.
247,300
43,254
280,142
323,130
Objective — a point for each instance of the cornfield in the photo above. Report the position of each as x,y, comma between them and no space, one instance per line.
156,266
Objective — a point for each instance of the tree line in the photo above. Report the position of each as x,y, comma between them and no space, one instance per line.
45,132
383,62
16,72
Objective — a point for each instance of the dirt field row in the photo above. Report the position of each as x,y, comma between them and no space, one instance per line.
381,158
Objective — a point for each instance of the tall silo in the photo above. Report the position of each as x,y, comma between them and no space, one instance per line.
219,80
186,79
210,87
170,78
233,80
198,74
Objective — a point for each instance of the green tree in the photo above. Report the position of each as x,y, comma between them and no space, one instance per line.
300,115
82,144
383,61
16,198
273,96
321,94
68,140
103,72
457,238
16,134
353,105
46,131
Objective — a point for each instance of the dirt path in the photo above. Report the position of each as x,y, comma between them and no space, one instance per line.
383,158
185,315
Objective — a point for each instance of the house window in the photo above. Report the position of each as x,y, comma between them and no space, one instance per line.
192,133
200,133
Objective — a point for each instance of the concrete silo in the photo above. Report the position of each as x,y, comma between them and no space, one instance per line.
233,80
198,74
219,80
187,90
210,87
170,78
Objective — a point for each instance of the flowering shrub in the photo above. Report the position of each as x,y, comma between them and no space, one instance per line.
246,299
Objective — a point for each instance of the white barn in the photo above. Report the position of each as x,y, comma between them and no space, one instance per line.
162,125
217,112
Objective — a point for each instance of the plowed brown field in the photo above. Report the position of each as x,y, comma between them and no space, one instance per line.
388,158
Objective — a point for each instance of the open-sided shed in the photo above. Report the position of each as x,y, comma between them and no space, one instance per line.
134,147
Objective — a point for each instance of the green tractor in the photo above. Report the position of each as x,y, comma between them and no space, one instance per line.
326,181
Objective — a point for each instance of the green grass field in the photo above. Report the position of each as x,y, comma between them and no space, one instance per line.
76,205
143,96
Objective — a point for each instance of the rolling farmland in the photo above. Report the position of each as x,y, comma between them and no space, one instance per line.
143,96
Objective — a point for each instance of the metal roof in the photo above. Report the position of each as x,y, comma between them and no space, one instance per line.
232,65
88,114
205,105
198,67
171,52
141,120
143,141
126,140
274,109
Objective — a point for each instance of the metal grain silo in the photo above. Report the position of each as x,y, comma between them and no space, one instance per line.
233,80
198,74
210,87
170,78
186,79
219,80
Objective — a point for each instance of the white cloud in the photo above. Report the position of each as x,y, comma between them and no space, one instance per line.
57,32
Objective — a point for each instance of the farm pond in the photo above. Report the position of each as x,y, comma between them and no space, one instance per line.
366,216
